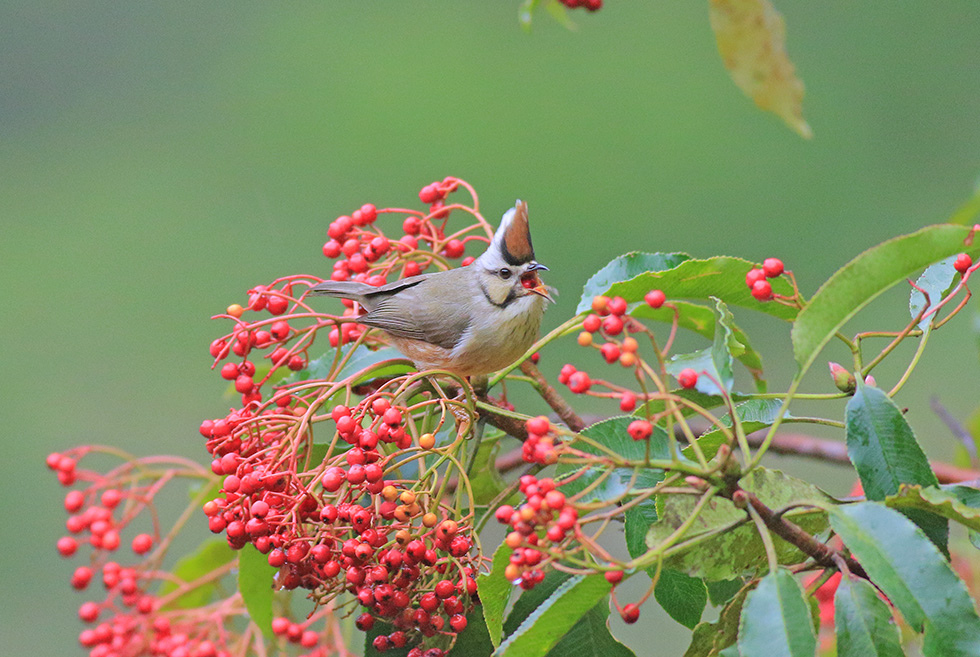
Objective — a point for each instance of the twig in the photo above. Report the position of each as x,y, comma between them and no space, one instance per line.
554,400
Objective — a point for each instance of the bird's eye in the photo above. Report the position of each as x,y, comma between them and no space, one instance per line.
504,273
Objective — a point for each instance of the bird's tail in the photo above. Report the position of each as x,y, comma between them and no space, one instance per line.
344,290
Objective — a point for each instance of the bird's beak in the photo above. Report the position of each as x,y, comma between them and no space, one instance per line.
532,282
535,266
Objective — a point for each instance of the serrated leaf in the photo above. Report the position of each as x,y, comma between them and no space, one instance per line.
776,620
751,37
952,502
612,433
865,277
714,548
209,556
885,453
711,639
912,572
255,579
701,320
863,622
683,597
624,268
553,618
494,591
722,277
935,280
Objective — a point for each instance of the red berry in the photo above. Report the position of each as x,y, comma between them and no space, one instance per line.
333,478
444,588
612,325
687,378
617,306
455,249
762,290
142,543
614,576
631,613
772,267
67,546
754,276
458,623
331,249
537,425
655,298
610,352
592,323
640,430
229,371
579,382
962,263
88,612
627,403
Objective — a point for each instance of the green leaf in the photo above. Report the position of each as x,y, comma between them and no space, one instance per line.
495,591
885,453
776,620
935,280
865,277
863,621
722,277
683,597
753,415
612,433
525,13
474,640
530,600
701,320
624,268
590,637
912,572
718,544
721,591
717,360
486,481
710,639
553,618
255,579
209,556
957,503
637,521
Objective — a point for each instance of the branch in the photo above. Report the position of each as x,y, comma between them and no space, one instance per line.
554,400
822,553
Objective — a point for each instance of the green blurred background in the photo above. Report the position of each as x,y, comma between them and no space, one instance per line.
158,159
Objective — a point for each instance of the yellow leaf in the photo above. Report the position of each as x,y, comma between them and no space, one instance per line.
751,37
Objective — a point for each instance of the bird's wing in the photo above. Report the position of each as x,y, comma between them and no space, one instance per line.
422,311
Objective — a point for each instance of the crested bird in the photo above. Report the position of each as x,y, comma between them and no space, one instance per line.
471,320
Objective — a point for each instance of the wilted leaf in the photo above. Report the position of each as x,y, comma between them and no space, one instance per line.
751,38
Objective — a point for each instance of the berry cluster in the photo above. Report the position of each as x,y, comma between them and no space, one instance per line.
755,279
539,528
540,446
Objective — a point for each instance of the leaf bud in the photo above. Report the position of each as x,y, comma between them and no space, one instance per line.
843,379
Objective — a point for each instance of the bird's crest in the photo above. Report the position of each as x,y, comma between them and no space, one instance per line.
513,237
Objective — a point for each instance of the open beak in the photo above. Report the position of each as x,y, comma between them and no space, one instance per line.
533,283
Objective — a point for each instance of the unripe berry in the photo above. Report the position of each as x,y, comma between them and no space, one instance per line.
584,339
427,441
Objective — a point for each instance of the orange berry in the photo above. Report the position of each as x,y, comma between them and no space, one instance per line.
235,310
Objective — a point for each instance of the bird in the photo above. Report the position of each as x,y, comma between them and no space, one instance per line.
469,321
